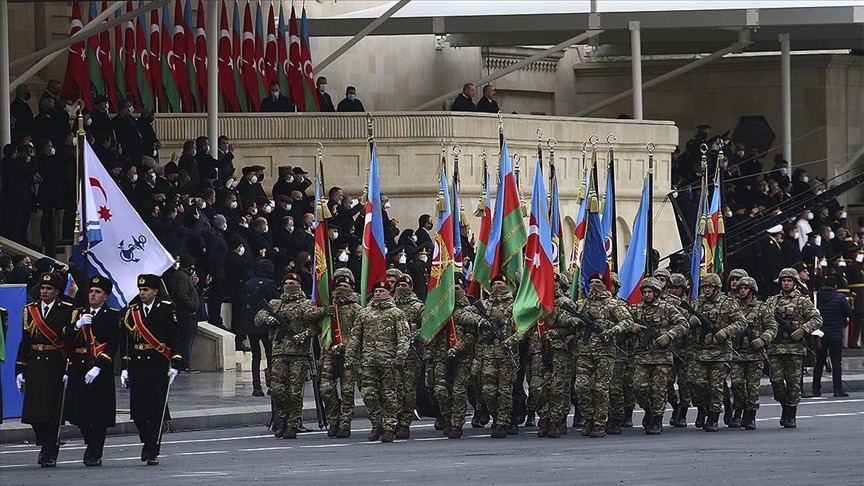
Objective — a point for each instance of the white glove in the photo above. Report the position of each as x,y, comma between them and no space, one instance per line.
124,379
65,379
172,373
85,320
343,256
818,333
91,375
19,380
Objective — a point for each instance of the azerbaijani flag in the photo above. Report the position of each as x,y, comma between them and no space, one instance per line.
714,232
71,289
579,237
697,256
322,265
481,271
594,256
558,264
607,220
374,262
536,294
457,220
309,93
508,210
441,299
633,267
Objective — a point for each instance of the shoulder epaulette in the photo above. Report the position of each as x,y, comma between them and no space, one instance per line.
167,302
113,309
67,304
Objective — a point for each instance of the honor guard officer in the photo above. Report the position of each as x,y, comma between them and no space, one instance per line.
94,337
150,362
41,365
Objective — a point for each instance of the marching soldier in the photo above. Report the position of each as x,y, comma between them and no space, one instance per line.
41,365
747,366
150,361
379,341
786,353
340,406
735,275
658,323
290,339
664,276
621,397
676,292
497,365
712,356
595,358
94,337
406,300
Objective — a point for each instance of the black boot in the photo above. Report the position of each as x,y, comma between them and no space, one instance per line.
658,424
649,424
790,418
280,430
735,423
475,420
680,417
675,404
784,415
529,419
628,419
727,411
712,422
647,420
838,393
700,417
374,435
513,429
613,427
749,420
439,423
817,391
544,428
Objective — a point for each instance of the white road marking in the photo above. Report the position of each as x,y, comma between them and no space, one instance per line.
257,449
201,453
430,438
321,446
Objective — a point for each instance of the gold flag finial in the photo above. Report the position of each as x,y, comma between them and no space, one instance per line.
481,202
322,212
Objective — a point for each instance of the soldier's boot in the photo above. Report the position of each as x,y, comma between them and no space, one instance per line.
484,417
700,417
628,419
839,393
586,428
455,433
648,424
343,433
613,427
562,428
475,420
598,431
736,421
749,420
681,418
374,435
544,428
553,430
513,429
675,404
439,423
578,420
332,430
712,422
402,432
790,418
529,418
290,433
727,411
386,436
784,415
447,429
658,423
817,391
499,432
279,431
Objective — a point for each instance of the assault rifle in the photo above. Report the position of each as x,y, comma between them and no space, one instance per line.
750,335
786,328
706,326
591,326
650,334
497,333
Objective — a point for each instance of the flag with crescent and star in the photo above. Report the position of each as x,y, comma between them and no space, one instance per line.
121,246
633,267
374,262
441,299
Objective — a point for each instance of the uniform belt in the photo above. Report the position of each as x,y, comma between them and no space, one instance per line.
80,350
43,347
142,347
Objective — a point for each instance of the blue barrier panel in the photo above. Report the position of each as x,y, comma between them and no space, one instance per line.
12,298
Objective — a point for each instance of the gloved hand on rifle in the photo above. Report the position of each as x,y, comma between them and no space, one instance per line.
720,336
300,337
551,334
663,340
798,334
351,363
452,352
609,334
329,310
272,321
757,343
512,340
337,348
694,321
636,328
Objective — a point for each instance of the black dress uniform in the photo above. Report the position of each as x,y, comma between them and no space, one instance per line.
92,407
42,361
151,348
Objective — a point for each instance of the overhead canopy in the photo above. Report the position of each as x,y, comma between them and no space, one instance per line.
668,27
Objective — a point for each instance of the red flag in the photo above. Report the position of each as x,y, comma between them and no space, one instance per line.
227,87
201,56
250,76
145,87
155,60
177,58
105,61
76,84
272,56
130,56
310,96
295,75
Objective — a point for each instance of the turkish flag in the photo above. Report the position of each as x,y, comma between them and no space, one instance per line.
129,57
105,62
155,60
227,88
201,56
76,83
295,75
177,59
271,57
250,75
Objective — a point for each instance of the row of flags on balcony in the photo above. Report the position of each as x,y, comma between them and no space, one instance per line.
162,63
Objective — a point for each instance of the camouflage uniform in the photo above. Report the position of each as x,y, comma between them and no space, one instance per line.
622,400
785,354
595,359
747,366
339,399
653,362
560,329
448,376
290,355
496,365
711,359
409,367
681,401
379,342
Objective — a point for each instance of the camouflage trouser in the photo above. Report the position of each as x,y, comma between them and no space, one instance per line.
593,375
498,376
338,398
451,392
379,386
708,382
746,376
621,396
409,369
677,373
649,383
785,371
559,386
287,378
539,378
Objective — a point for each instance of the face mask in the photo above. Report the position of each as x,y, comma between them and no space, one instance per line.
89,122
134,178
335,235
831,235
265,229
194,152
155,153
765,189
241,251
352,97
783,171
342,293
52,151
253,211
841,263
223,227
805,180
152,177
728,214
288,207
176,265
402,259
290,229
231,183
343,257
131,110
275,94
387,205
740,153
322,87
414,239
500,290
244,224
809,216
820,191
223,147
823,262
233,205
202,204
69,109
597,286
423,258
253,180
843,215
28,158
859,257
795,235
267,209
403,292
818,241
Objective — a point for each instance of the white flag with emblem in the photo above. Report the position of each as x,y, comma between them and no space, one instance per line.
121,245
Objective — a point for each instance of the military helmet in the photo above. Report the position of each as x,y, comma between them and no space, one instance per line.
394,272
652,283
343,272
677,280
750,283
663,272
711,279
563,280
788,273
738,273
616,280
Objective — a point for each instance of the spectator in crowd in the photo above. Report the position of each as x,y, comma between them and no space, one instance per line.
771,261
260,287
836,311
188,163
44,126
350,103
283,183
303,268
277,102
249,188
803,226
299,181
20,109
208,166
789,246
487,103
184,293
225,158
20,173
22,270
100,123
104,149
150,143
324,101
800,182
780,171
214,261
128,136
465,100
424,226
238,267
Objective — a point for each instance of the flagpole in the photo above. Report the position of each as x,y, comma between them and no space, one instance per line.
371,139
610,139
80,135
649,247
593,139
721,167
